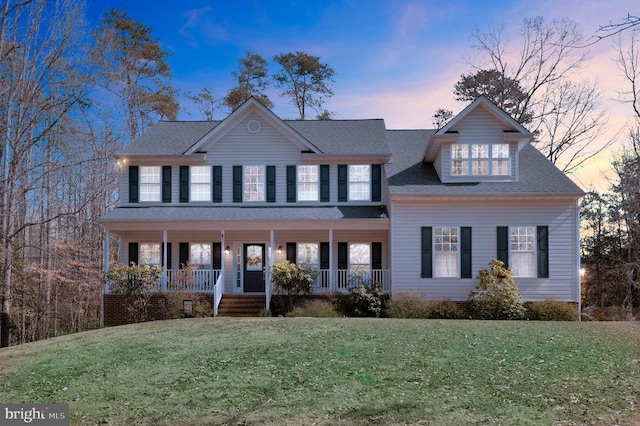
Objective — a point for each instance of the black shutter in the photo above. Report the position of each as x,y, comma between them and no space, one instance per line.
271,184
184,254
133,253
324,256
325,191
237,184
216,255
292,252
166,184
216,180
184,184
543,251
376,255
291,184
168,266
376,182
342,182
503,245
426,252
465,252
343,256
133,184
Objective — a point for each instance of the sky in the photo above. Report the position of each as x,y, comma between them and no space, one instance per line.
394,59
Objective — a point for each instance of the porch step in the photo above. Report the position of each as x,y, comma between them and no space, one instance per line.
241,305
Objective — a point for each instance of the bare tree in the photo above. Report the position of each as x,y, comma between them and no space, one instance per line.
205,102
567,118
252,80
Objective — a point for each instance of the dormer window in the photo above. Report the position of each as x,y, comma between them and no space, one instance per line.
480,159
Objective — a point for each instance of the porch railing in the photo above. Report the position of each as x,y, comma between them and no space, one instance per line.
195,281
341,280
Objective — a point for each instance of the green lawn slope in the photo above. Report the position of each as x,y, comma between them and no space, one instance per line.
335,371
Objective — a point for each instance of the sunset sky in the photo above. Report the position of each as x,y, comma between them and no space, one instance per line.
394,59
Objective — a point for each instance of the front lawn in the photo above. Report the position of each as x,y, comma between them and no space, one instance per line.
335,371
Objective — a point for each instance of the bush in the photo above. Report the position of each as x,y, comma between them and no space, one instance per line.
417,306
552,310
609,313
137,281
496,296
365,300
174,305
317,309
291,281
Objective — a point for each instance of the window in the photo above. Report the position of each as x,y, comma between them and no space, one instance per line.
523,251
200,255
480,159
308,255
200,183
253,183
308,183
150,253
359,257
446,252
359,183
150,183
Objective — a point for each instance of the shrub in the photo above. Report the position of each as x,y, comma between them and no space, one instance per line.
264,313
609,313
365,300
291,281
552,310
174,305
317,309
496,296
137,281
417,306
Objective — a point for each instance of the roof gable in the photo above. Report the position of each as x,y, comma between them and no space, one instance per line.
513,131
252,106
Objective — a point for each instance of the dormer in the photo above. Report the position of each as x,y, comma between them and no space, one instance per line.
481,144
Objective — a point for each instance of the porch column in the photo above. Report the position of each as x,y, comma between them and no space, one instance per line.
106,260
163,281
272,252
331,272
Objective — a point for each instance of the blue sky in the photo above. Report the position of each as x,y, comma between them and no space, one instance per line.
394,59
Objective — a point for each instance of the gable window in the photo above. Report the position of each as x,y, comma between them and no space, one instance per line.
150,254
359,183
200,186
523,251
480,159
308,183
308,255
253,183
150,183
446,252
200,255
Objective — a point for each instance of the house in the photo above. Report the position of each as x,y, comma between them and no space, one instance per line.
419,211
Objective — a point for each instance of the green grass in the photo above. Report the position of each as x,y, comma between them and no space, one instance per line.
335,371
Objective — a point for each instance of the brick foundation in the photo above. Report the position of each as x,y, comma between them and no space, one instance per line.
116,313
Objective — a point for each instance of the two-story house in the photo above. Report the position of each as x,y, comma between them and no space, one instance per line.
417,210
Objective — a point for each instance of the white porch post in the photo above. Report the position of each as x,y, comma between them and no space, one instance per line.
163,281
331,272
272,256
107,261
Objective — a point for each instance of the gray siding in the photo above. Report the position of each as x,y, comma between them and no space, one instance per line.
484,217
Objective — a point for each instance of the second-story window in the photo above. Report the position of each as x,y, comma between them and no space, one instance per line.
200,183
480,159
150,183
253,183
308,183
359,183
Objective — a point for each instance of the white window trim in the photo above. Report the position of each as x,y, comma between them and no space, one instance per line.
264,183
157,194
534,267
350,182
435,253
299,183
192,183
141,261
202,265
469,160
